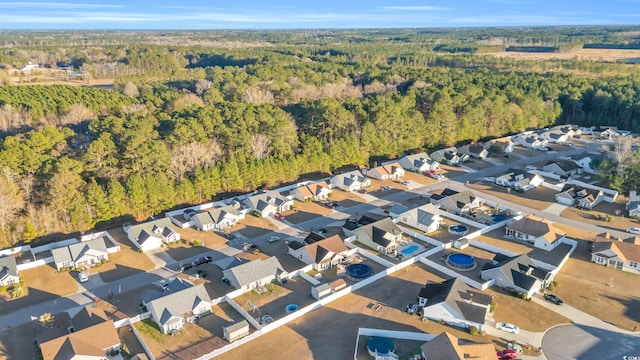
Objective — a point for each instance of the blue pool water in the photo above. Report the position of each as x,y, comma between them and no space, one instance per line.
291,308
461,259
409,250
459,228
359,271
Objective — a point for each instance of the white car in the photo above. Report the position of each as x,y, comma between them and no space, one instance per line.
634,230
508,327
490,179
404,182
83,277
531,167
273,239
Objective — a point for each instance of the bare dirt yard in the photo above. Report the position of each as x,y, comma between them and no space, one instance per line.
419,178
478,164
41,284
126,262
308,337
253,226
606,293
615,211
305,211
580,54
346,199
539,198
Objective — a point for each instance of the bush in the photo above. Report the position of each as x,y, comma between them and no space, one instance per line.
196,243
523,296
3,288
473,330
493,306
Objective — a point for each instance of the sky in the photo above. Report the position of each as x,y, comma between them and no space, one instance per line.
288,14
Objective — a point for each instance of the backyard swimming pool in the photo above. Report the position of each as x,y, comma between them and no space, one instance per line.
409,250
461,261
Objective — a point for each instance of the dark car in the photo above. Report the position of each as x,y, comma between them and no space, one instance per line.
229,236
185,267
204,260
554,299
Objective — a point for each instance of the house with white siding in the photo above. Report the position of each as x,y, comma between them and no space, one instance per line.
618,253
420,163
541,233
152,234
392,171
350,182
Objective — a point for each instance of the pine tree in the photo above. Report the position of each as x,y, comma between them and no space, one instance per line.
30,232
117,197
99,202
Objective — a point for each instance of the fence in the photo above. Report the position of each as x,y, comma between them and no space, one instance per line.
460,219
375,258
34,264
554,187
299,272
15,250
445,270
242,312
309,278
54,245
422,237
144,346
402,335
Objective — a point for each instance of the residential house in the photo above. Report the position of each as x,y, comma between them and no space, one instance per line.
88,335
500,145
420,163
623,254
476,151
584,162
425,218
518,273
268,203
530,141
315,191
455,303
254,274
449,156
608,132
519,180
392,171
350,182
554,136
382,236
448,347
541,233
352,224
82,254
584,198
218,218
633,205
323,254
8,271
455,202
179,303
563,168
152,234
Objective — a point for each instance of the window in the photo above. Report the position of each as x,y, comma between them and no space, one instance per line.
633,264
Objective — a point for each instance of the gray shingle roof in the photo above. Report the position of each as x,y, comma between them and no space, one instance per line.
75,251
521,271
180,298
254,270
459,297
144,230
8,266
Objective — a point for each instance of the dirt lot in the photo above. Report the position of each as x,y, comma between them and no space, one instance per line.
125,263
522,151
209,239
420,179
478,164
609,294
603,209
451,171
43,284
253,226
496,238
305,211
580,54
346,199
539,198
306,337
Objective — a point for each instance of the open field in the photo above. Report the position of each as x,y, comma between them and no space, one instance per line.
539,198
580,54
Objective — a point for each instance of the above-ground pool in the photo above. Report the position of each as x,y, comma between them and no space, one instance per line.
358,272
498,218
458,230
380,346
461,261
291,308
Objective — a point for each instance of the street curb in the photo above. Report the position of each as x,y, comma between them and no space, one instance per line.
545,333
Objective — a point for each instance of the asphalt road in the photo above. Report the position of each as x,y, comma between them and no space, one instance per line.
576,341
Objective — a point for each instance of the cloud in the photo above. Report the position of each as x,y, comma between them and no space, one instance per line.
54,5
416,8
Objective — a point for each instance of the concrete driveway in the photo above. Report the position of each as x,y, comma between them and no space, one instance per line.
577,341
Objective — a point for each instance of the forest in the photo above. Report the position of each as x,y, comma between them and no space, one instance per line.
195,115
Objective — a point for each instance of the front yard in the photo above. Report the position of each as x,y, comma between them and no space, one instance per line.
539,198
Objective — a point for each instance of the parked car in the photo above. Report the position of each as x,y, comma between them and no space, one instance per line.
552,298
83,277
248,247
508,327
531,167
362,191
204,260
386,188
404,182
322,231
437,176
634,230
506,354
278,216
490,179
256,214
229,236
273,239
184,267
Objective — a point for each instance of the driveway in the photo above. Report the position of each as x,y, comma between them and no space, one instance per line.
578,341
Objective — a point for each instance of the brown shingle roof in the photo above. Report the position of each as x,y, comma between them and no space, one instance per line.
537,227
448,347
319,249
626,249
91,341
